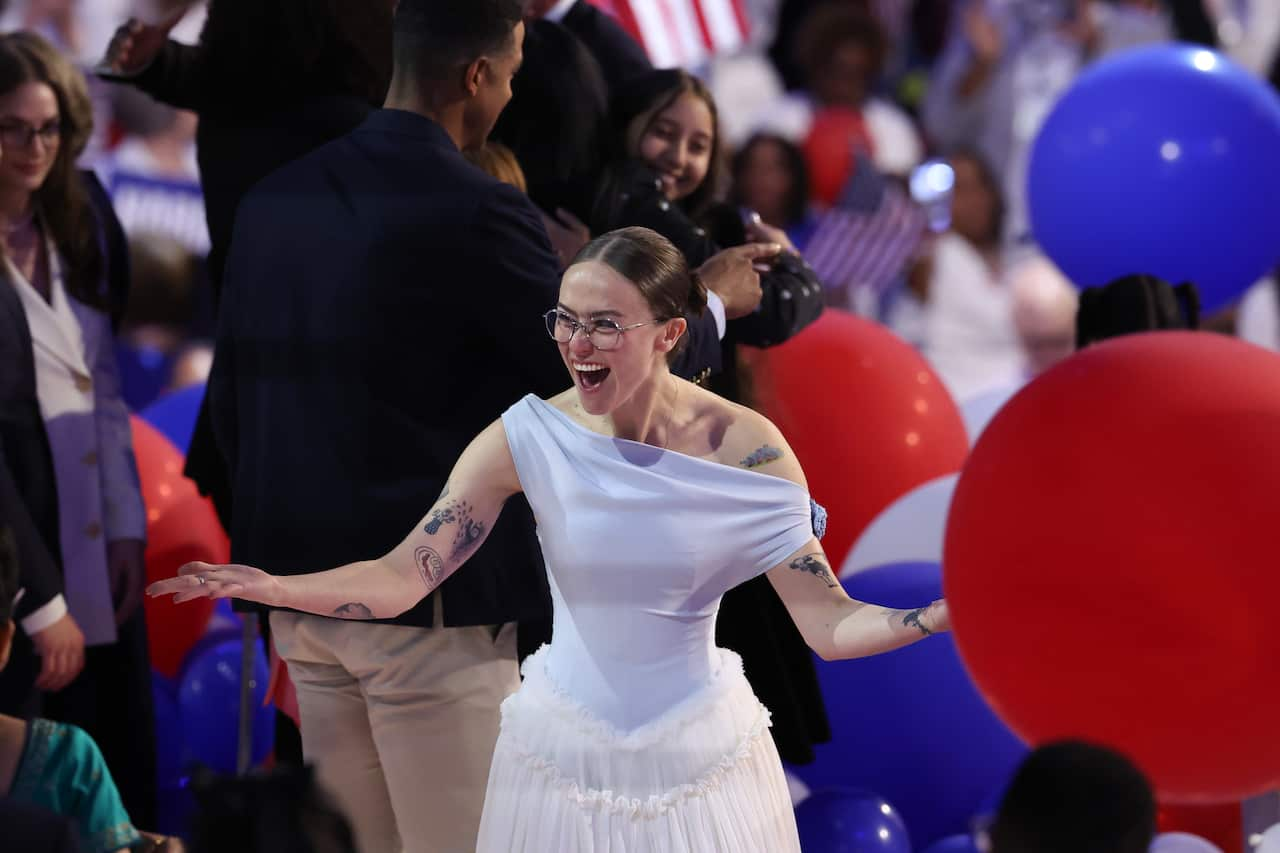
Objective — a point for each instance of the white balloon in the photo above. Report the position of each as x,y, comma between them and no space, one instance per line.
1182,842
978,410
798,789
909,530
1269,841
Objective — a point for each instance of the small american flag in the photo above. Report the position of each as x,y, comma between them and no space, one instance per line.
682,33
863,244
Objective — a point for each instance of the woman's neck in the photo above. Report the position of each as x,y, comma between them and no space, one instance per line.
646,417
15,206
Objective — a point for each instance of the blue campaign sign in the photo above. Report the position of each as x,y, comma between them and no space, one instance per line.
172,208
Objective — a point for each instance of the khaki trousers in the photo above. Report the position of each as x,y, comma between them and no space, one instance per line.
400,723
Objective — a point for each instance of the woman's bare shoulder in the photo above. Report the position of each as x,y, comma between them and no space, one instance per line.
744,438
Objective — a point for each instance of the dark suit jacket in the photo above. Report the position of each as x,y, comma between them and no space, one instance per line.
382,305
27,462
236,148
620,55
28,827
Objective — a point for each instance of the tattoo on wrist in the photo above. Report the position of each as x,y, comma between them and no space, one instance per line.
762,456
430,566
815,565
915,619
353,610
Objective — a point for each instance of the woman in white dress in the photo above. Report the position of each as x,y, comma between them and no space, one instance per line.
632,731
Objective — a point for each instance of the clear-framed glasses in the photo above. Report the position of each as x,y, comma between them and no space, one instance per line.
604,334
16,134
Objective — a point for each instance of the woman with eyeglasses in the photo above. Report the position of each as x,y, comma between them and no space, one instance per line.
666,173
632,730
53,267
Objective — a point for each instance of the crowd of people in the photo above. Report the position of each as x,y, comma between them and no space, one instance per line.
347,218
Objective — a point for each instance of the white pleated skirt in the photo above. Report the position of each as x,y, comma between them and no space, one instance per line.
703,777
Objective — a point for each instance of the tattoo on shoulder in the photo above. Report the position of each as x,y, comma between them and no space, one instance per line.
815,565
430,566
911,619
762,456
353,610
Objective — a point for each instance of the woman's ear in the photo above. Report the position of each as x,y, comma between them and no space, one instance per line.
671,334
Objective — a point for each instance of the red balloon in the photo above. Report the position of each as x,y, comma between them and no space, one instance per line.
181,526
1111,556
833,137
1222,824
865,414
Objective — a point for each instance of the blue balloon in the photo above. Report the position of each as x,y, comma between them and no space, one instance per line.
844,820
910,724
954,844
209,701
174,415
1161,160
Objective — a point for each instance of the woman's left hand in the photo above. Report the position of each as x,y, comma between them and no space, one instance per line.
127,570
205,580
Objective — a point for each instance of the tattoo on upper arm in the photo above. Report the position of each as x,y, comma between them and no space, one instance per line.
470,532
353,610
911,619
441,516
762,456
815,565
430,566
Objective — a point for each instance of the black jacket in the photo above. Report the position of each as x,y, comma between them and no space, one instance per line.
382,305
28,489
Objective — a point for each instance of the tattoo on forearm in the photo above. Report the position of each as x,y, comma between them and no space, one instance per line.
815,565
430,566
762,456
912,619
353,610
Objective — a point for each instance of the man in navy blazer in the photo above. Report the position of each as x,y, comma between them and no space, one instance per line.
382,305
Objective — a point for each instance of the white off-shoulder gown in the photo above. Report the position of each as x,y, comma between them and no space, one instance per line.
632,731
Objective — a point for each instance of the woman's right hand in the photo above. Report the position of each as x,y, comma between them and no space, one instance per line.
206,580
136,45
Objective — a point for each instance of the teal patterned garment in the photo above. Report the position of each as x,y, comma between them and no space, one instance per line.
63,771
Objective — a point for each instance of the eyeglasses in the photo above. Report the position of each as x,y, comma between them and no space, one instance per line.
19,134
603,334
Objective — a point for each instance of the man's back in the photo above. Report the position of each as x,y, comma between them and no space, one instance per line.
382,307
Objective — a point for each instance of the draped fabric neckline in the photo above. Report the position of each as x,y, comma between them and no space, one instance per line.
654,454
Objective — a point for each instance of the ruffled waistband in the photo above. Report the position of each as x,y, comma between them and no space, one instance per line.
693,750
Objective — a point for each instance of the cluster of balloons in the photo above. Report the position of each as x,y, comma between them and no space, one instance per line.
196,647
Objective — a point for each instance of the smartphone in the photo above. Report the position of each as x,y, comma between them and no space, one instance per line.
932,184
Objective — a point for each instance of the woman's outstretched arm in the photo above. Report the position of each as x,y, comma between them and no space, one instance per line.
834,625
837,626
456,525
